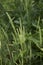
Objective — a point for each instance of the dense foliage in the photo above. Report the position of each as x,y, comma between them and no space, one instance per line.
21,32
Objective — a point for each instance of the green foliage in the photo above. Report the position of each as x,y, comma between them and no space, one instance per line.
21,32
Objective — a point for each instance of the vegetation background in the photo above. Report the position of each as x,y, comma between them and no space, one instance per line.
21,32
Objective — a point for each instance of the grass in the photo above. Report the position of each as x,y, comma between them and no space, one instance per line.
21,43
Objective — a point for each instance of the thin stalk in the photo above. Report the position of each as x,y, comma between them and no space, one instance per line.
26,7
0,52
21,31
11,22
40,37
1,60
30,53
22,53
5,34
